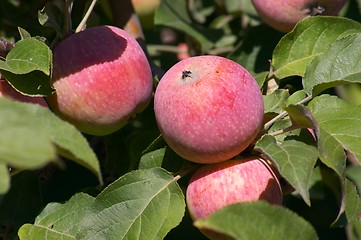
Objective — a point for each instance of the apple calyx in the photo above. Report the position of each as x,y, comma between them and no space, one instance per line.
186,74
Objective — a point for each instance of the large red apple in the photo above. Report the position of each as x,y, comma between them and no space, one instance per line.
7,91
215,186
102,78
208,108
284,14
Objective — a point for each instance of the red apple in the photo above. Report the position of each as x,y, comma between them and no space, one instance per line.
208,108
284,14
215,186
6,90
102,78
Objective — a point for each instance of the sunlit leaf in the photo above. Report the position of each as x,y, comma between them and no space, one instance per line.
339,64
294,160
258,221
142,204
58,221
310,38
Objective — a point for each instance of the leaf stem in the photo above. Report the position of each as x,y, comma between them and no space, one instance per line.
287,129
284,113
82,24
187,168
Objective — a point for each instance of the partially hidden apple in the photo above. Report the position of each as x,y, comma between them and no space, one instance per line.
7,91
215,186
101,78
283,15
145,10
208,108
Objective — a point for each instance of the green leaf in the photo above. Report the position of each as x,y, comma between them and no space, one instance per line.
339,119
51,16
296,97
20,127
275,101
69,141
257,221
28,55
58,221
339,64
174,14
35,83
142,204
21,123
152,159
310,38
254,52
294,159
23,33
4,178
28,67
353,202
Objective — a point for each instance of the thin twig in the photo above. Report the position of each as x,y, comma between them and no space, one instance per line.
287,129
82,24
284,113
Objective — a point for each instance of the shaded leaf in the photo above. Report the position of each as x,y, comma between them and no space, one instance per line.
69,141
4,178
58,221
339,119
21,123
258,220
19,126
275,101
142,204
21,204
310,38
339,64
35,83
294,160
174,14
353,202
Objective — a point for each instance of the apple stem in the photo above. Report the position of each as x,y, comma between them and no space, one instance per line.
284,113
82,24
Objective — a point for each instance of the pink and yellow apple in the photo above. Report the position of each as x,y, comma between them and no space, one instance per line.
208,108
102,79
283,15
7,91
215,186
145,10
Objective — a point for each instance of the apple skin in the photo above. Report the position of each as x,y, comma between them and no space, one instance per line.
208,108
102,78
7,91
283,15
215,186
145,10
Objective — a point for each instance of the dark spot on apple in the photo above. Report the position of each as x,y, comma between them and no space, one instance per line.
186,73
